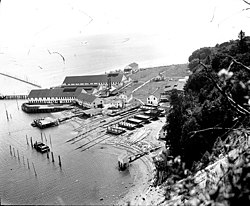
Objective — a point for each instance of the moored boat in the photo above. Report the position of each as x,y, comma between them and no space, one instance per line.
45,122
41,147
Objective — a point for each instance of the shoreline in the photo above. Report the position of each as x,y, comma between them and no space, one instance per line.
142,180
142,171
23,88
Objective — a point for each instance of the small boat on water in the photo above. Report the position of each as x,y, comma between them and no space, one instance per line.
45,122
41,147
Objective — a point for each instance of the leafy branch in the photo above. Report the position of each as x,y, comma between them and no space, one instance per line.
207,129
236,106
239,63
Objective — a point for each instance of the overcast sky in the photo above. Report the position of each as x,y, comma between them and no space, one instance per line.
200,22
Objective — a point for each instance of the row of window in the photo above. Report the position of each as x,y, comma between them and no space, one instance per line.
116,83
44,98
50,101
153,98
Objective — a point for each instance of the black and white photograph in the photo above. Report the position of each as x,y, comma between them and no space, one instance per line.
125,102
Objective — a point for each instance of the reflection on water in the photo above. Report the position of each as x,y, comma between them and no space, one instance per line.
84,178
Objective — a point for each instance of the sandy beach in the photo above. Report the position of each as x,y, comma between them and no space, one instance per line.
142,172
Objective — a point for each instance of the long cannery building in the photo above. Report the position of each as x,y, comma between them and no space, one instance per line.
54,95
113,79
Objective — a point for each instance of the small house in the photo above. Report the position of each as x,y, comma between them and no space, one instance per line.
123,97
159,77
113,102
131,68
89,101
153,99
163,133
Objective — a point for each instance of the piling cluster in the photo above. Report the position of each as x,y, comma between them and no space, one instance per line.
15,153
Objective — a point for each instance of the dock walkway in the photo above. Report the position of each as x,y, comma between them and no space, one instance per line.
14,96
134,157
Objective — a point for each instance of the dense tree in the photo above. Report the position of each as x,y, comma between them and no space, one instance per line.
215,96
242,44
175,121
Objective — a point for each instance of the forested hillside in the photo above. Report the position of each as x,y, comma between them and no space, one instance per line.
209,123
216,99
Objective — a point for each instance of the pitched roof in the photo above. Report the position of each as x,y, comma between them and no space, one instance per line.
133,64
86,97
127,69
95,79
55,92
112,99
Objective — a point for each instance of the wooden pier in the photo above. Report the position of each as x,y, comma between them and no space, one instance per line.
124,159
14,96
35,108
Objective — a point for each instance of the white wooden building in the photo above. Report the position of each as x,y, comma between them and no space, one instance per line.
89,101
123,97
54,95
153,100
115,79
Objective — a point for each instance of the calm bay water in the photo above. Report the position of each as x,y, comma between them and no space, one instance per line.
87,176
84,178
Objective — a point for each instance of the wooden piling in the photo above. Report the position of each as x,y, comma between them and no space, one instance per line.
10,151
59,158
17,104
52,157
42,137
18,155
14,152
34,169
47,154
6,112
50,141
27,140
28,163
45,138
31,142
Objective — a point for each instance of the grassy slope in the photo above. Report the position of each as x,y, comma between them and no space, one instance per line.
172,71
